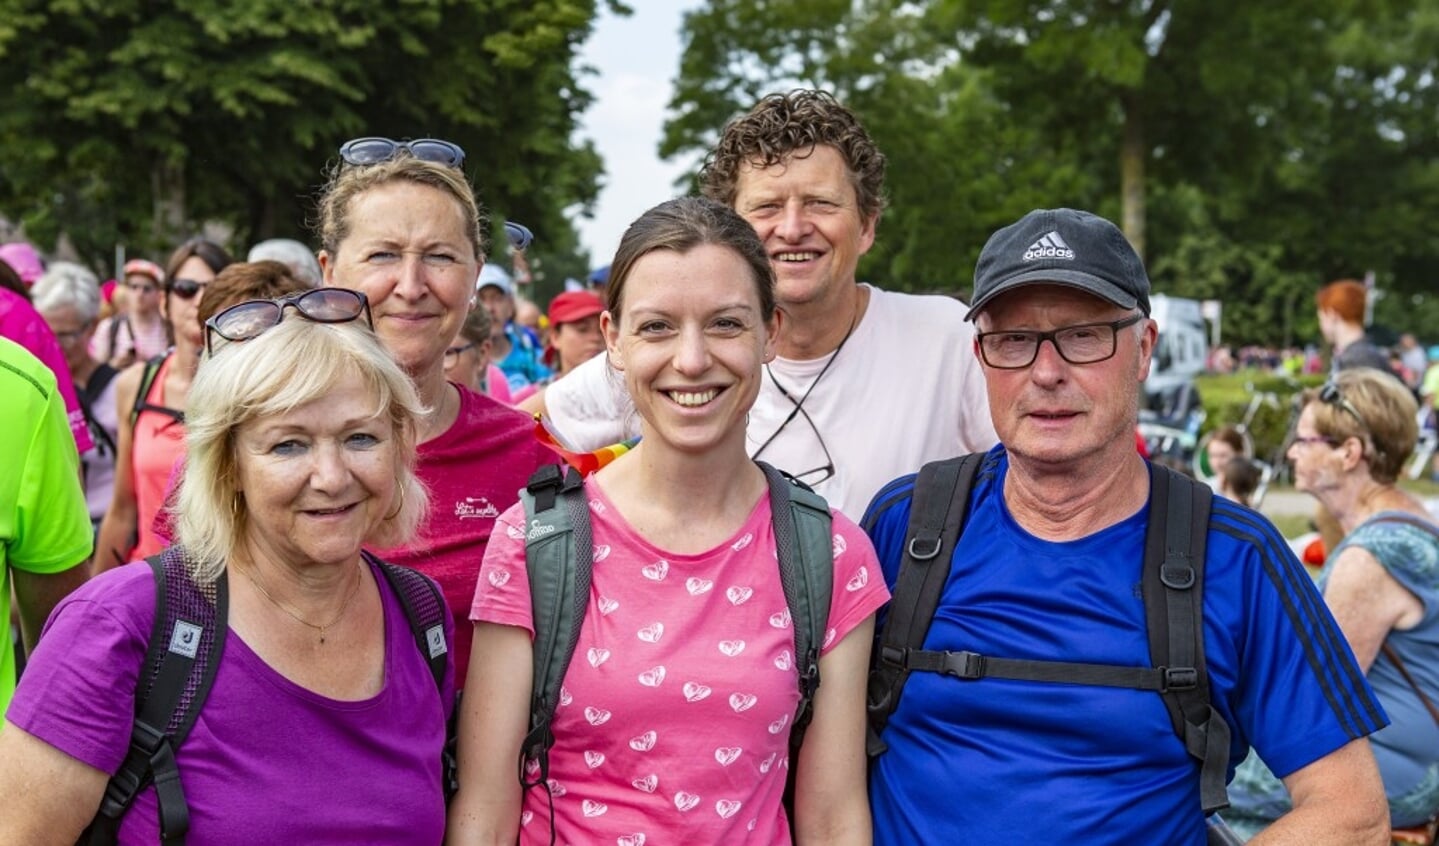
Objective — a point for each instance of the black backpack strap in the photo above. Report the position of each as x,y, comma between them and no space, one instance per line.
937,512
1173,587
147,381
424,607
805,547
94,387
560,559
186,643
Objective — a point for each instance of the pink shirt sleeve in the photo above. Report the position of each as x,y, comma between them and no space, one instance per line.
502,593
859,588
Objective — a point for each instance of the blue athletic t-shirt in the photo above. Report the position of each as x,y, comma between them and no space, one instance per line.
1003,761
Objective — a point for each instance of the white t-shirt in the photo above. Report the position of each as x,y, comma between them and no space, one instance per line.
905,389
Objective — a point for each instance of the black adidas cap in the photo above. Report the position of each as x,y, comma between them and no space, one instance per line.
1061,247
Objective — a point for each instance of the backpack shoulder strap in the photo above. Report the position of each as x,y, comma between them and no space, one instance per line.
424,607
94,387
147,381
936,519
186,643
1173,588
559,556
804,543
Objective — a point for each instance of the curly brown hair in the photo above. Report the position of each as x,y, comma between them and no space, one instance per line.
793,124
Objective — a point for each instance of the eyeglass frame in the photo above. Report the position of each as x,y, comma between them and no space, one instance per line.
212,326
456,352
1052,336
456,158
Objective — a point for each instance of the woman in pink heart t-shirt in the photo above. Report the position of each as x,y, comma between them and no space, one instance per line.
674,717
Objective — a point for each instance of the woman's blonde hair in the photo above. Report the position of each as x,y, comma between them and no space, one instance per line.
288,366
347,182
1390,427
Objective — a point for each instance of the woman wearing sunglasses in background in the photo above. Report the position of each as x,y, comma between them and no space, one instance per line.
138,332
151,398
1381,582
399,223
324,723
684,684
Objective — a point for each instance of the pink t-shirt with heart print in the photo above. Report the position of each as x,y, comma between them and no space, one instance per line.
673,723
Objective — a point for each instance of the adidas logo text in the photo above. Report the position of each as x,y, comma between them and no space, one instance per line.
1051,246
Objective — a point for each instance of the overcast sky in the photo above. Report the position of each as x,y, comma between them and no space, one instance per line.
637,58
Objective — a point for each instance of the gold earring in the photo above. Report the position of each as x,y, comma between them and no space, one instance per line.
399,507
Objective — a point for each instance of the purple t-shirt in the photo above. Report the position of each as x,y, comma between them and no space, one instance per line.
267,761
21,323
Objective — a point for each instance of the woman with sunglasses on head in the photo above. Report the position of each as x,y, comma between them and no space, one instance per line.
399,222
1381,582
152,396
674,716
325,722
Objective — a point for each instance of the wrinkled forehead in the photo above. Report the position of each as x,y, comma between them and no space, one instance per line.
1053,302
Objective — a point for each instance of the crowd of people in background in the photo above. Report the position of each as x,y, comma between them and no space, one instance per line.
313,474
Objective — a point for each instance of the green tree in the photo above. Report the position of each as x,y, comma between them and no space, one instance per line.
123,121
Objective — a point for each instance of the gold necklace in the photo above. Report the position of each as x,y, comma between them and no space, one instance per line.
354,589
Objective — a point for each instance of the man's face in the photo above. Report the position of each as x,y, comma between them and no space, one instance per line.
1056,413
499,305
807,215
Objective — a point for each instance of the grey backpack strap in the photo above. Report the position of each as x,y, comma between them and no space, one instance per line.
805,546
559,555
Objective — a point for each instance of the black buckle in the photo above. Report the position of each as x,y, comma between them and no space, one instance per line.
1179,678
964,665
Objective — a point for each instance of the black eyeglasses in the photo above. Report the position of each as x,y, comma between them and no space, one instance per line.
453,353
250,319
1331,395
1087,343
186,289
361,152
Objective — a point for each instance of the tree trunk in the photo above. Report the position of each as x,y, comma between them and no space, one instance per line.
167,182
1132,156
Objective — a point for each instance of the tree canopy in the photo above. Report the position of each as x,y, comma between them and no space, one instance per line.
1252,152
136,122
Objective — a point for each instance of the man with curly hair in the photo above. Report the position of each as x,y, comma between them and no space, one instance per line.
868,383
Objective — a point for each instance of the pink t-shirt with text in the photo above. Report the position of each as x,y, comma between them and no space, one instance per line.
673,722
473,472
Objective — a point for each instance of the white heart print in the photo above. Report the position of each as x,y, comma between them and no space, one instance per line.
828,637
556,789
778,725
515,532
499,578
644,742
839,545
526,816
743,542
784,660
565,697
765,765
591,808
696,586
727,755
731,648
597,506
742,702
780,619
636,839
597,656
596,716
532,768
737,595
652,677
695,691
685,801
652,633
859,580
727,808
657,571
647,784
594,759
607,606
602,551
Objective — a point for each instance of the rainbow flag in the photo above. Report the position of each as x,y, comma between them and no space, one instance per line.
584,462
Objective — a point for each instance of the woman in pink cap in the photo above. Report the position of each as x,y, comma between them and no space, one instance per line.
138,332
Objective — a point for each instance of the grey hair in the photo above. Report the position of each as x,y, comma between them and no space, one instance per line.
295,255
66,283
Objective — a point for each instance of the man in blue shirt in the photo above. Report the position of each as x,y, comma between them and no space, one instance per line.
1049,568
